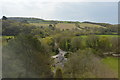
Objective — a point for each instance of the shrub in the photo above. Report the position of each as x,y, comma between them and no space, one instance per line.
26,57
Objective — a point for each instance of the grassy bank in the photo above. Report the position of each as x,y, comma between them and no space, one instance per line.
111,62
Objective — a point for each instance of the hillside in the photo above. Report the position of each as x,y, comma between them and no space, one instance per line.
91,27
101,24
36,20
35,47
20,19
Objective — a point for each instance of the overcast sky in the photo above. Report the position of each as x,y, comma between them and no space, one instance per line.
74,10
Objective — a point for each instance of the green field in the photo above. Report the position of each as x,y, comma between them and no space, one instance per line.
111,62
7,37
84,36
109,35
90,25
68,25
3,39
40,24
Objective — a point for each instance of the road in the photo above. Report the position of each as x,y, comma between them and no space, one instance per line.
59,59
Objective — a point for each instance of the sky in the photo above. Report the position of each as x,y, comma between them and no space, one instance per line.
70,10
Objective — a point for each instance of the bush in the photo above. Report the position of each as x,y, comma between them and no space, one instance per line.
104,44
64,43
92,41
58,73
115,44
76,43
84,64
26,57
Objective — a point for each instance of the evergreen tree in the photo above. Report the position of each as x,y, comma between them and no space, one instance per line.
4,18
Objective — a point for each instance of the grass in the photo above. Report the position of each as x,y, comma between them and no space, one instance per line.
65,26
72,25
59,25
109,35
3,40
7,37
84,36
90,25
111,62
40,24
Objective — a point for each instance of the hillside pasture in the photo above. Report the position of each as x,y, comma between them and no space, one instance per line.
40,24
111,62
110,36
63,26
90,25
70,26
